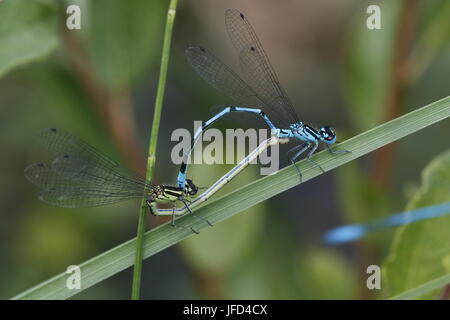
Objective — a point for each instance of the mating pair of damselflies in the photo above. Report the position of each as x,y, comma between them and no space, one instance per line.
80,176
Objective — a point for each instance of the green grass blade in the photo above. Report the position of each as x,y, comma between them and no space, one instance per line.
151,159
423,289
162,237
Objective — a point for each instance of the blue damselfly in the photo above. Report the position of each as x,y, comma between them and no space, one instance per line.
260,94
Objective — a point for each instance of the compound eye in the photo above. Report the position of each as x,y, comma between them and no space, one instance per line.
328,132
192,191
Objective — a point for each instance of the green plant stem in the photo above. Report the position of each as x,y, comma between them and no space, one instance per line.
119,258
423,289
151,159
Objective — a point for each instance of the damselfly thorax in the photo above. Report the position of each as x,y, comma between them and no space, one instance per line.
171,194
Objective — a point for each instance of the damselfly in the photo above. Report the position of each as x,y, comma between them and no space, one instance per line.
354,232
263,146
262,90
81,176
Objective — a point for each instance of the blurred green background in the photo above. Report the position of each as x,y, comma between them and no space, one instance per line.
99,83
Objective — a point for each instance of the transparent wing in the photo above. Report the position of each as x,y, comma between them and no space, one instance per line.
65,192
75,198
251,65
60,143
80,176
266,84
222,77
226,81
80,170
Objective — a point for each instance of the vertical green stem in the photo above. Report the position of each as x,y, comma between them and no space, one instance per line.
135,291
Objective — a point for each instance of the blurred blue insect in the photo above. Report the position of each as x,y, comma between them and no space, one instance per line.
356,231
262,90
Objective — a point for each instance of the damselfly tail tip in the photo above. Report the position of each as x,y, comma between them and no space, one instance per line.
344,234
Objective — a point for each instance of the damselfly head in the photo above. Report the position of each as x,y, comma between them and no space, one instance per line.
190,188
327,135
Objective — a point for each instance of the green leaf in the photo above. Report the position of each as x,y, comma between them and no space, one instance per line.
361,199
123,38
251,278
437,32
28,32
423,289
214,250
326,274
162,237
420,250
367,65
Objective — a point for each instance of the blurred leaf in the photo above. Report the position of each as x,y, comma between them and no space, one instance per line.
164,236
419,250
361,199
368,65
123,38
49,236
216,249
434,37
423,289
269,269
28,32
325,274
251,277
437,32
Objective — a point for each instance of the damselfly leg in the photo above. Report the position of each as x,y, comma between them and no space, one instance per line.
334,152
173,224
303,147
191,213
151,205
308,157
